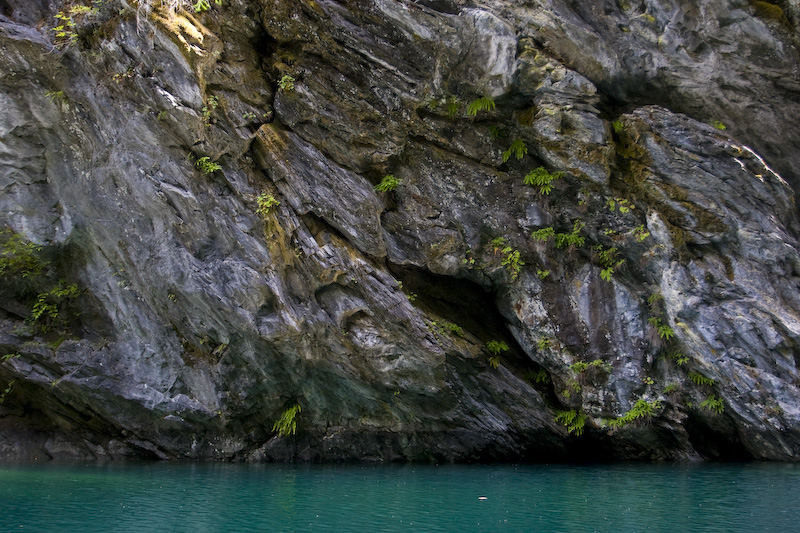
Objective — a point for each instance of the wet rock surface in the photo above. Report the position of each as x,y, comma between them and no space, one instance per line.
575,262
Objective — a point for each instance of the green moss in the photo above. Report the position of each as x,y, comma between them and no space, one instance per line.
767,10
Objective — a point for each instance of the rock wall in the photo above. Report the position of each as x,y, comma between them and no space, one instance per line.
586,247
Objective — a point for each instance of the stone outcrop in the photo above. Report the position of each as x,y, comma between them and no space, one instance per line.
192,241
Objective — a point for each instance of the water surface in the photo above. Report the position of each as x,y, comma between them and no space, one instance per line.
225,497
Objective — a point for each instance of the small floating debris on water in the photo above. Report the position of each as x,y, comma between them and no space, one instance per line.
482,498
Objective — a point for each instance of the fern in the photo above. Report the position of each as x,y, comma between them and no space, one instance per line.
496,347
388,183
573,420
265,203
287,424
642,409
712,403
484,103
517,149
541,377
207,166
573,239
664,331
512,262
543,234
542,178
543,344
700,379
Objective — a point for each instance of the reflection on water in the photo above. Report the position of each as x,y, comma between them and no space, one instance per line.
224,497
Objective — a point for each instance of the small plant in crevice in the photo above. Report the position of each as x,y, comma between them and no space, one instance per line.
388,183
607,257
5,392
286,425
713,404
412,296
207,166
211,104
496,348
664,330
543,344
54,95
511,259
642,410
9,356
622,204
543,179
573,387
66,30
671,388
543,234
573,420
286,83
582,366
640,233
484,103
700,379
265,203
46,310
719,125
512,262
455,329
18,257
517,148
452,105
679,358
542,274
573,239
654,300
540,377
204,5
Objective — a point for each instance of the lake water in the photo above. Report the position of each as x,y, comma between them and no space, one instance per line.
226,497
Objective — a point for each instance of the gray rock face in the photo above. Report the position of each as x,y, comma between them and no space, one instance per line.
637,297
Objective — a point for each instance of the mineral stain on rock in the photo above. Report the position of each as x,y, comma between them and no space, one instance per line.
645,304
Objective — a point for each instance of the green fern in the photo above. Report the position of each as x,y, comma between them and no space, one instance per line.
207,166
542,178
700,379
641,410
388,183
512,262
572,239
496,347
484,103
265,203
573,420
517,149
712,403
287,423
664,330
543,234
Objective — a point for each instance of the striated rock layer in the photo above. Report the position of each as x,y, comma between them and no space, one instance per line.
192,241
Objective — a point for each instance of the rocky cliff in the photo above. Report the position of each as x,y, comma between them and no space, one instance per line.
443,230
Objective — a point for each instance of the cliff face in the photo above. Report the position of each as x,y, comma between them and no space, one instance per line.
193,243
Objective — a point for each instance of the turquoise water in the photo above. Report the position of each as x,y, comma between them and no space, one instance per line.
224,497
